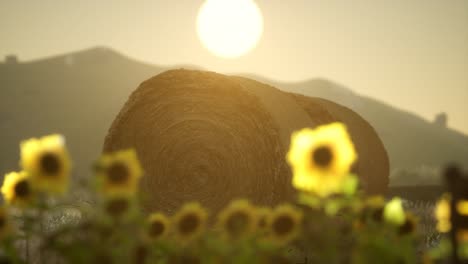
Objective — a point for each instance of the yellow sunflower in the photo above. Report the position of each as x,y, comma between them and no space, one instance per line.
47,161
119,172
284,224
237,220
5,225
442,214
189,222
462,207
158,226
16,189
321,158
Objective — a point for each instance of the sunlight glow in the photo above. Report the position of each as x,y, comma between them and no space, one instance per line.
229,28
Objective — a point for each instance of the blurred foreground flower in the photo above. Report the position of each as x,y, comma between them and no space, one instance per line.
442,214
189,223
394,213
321,158
284,224
48,162
158,226
119,172
237,220
16,189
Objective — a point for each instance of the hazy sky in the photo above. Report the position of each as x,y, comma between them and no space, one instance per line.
412,54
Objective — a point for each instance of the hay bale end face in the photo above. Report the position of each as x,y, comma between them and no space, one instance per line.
209,137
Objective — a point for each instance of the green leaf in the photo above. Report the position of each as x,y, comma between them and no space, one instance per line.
350,185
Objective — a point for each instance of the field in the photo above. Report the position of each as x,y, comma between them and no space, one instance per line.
218,185
335,222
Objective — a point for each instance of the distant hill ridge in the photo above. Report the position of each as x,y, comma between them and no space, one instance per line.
79,94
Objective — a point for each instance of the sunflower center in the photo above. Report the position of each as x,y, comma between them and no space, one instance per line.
117,207
283,225
50,164
156,229
118,173
322,156
189,224
407,227
237,222
22,189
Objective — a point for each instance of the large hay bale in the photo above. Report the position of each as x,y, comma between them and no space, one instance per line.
209,137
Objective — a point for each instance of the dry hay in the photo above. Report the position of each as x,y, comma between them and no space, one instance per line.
209,137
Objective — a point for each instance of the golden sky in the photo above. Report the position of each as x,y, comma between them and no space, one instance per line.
412,54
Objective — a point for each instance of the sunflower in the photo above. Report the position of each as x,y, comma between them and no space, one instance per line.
5,226
321,158
442,214
237,220
189,223
119,172
17,189
284,224
462,207
158,226
47,161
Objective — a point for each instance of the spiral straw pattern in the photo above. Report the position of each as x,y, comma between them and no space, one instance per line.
209,137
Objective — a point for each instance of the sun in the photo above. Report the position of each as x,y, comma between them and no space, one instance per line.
229,28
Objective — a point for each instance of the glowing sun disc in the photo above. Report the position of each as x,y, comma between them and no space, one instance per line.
229,28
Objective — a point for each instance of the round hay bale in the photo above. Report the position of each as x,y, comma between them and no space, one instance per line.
372,165
209,137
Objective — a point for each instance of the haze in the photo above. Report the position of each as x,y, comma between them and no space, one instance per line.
410,54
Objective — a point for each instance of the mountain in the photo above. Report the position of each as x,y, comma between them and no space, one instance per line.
79,94
417,148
